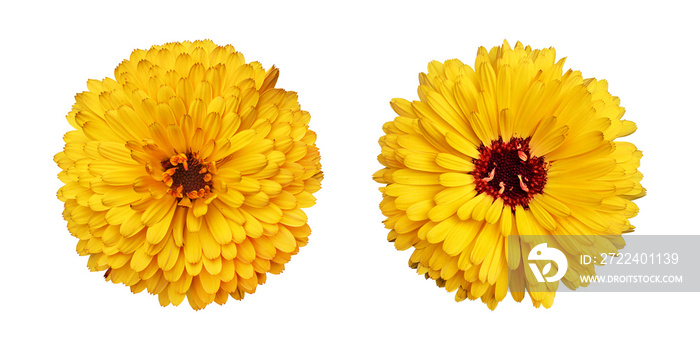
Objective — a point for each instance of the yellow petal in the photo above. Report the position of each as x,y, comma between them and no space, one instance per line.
231,198
241,139
506,220
251,227
177,138
442,211
210,247
419,211
486,242
270,214
120,177
525,223
164,114
482,127
229,251
575,171
284,240
414,177
200,207
157,232
542,216
218,226
246,251
497,264
432,133
591,218
422,162
443,108
577,145
453,162
453,194
462,145
264,248
628,127
552,205
465,211
140,260
506,123
455,179
157,210
160,136
494,211
438,233
213,266
461,236
258,200
117,215
294,218
81,215
228,270
120,196
527,115
193,222
132,225
168,256
571,194
244,270
210,283
513,252
192,247
481,208
249,164
549,142
116,152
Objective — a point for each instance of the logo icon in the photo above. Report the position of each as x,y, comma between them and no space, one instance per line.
542,252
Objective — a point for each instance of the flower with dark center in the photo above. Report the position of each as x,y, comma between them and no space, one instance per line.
514,147
187,173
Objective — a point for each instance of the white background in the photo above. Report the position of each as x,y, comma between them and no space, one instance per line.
348,287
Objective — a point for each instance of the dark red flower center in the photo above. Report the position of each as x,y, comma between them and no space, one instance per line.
186,175
508,171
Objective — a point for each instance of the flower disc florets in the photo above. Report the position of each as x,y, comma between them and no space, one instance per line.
187,175
508,171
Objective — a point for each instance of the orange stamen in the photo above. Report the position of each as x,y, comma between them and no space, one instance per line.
522,156
523,186
183,181
491,175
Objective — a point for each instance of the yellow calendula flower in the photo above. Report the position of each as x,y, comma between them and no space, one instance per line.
516,147
186,175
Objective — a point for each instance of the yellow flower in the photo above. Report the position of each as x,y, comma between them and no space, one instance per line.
186,175
516,147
